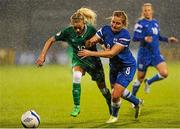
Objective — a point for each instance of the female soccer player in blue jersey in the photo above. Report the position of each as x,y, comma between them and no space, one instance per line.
147,32
122,64
80,30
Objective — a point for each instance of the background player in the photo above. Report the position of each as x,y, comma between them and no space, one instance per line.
80,30
147,32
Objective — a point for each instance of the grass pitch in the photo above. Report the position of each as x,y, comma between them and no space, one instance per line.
47,90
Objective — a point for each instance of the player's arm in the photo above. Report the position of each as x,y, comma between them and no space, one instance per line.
42,56
107,54
139,34
169,39
97,38
92,41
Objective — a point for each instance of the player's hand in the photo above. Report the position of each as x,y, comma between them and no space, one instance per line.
40,61
172,40
84,53
148,39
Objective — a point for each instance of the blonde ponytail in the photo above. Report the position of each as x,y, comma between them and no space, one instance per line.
89,15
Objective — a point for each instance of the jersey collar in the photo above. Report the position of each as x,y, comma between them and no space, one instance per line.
85,30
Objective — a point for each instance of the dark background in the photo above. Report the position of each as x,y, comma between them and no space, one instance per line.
26,24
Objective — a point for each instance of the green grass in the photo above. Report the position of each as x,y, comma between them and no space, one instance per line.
47,90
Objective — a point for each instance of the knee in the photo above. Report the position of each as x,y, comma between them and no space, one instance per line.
77,75
140,79
164,74
115,97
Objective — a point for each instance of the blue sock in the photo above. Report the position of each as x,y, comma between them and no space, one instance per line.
115,108
155,78
135,87
130,97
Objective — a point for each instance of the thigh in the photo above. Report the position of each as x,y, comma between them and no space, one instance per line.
143,60
113,73
162,67
143,63
157,59
96,73
101,85
125,76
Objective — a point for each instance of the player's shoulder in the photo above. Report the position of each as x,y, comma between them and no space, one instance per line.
65,30
68,28
124,33
145,21
142,22
155,20
105,29
91,27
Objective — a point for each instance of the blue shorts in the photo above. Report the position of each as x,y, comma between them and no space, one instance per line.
144,62
123,75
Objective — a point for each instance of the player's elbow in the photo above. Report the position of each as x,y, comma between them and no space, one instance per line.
52,39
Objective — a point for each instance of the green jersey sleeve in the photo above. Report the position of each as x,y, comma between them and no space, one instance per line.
61,35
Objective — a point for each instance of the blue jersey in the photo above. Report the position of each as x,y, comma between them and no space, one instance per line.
145,28
149,53
125,57
123,65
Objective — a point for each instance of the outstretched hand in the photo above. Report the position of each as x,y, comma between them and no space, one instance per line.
40,61
172,40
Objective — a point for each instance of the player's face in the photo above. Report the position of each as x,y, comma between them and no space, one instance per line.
78,26
116,23
148,12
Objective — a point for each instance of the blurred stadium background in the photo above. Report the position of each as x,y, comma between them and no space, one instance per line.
24,27
26,24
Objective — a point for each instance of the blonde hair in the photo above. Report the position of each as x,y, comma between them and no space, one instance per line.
142,9
89,15
76,16
123,16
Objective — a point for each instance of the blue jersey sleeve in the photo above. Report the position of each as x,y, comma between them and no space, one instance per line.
123,39
139,33
163,38
100,32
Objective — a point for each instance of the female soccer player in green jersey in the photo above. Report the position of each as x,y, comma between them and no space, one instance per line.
80,30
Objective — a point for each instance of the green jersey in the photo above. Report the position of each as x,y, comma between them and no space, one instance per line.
77,43
92,65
